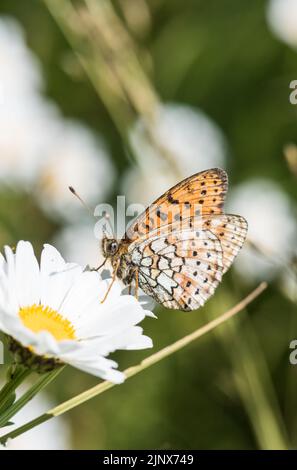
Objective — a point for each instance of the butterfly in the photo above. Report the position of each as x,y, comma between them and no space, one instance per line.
178,249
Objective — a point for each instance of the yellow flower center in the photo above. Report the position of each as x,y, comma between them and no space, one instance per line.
39,318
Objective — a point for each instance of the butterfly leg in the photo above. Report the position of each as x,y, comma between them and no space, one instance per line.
99,267
111,284
131,278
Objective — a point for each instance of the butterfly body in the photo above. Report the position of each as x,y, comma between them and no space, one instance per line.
178,249
121,260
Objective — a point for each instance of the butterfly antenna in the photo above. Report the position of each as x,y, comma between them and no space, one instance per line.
72,190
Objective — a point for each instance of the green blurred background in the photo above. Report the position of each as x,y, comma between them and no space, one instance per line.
234,388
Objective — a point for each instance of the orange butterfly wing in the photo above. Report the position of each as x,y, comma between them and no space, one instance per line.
200,194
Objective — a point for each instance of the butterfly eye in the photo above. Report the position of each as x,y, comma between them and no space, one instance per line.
113,247
110,247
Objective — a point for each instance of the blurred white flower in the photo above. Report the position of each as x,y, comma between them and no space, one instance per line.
26,131
144,187
38,147
272,228
192,141
52,435
75,158
282,18
78,243
52,314
20,71
289,284
26,120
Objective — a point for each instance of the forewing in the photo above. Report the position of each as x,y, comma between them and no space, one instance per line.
196,196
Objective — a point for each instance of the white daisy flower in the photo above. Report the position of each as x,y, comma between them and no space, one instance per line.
20,70
28,128
40,149
52,314
26,119
76,157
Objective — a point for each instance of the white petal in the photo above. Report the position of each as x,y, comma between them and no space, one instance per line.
27,280
81,297
4,292
11,276
100,367
46,345
136,340
150,314
13,326
43,342
129,339
3,324
117,316
2,264
147,303
57,277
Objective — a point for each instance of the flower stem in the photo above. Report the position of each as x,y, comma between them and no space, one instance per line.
16,375
151,360
24,399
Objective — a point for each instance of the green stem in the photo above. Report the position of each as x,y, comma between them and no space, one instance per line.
8,390
26,427
131,371
24,399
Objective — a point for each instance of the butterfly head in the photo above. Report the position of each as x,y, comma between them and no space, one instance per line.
110,247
